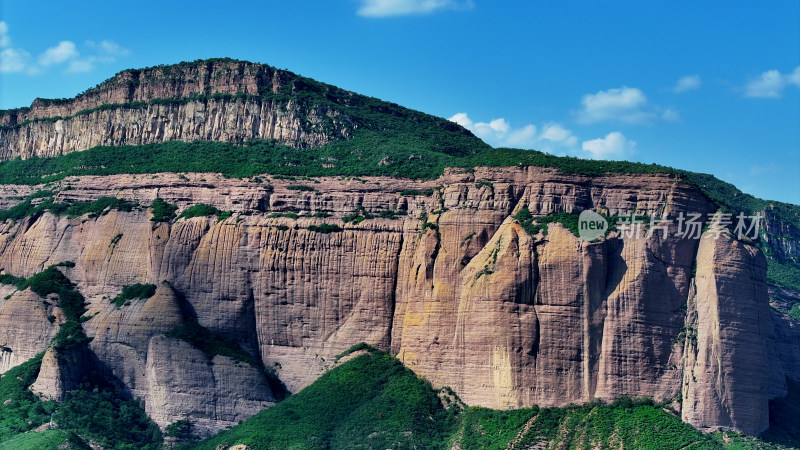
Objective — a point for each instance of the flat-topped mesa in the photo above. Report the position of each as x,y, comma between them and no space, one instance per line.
219,100
214,76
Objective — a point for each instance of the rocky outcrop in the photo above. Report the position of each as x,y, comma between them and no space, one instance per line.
62,370
219,100
727,380
456,288
26,329
183,384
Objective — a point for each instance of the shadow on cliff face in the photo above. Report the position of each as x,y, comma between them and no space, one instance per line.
212,342
784,417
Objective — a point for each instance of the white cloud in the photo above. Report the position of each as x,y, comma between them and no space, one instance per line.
498,132
687,83
13,60
553,137
625,104
771,84
388,8
554,132
613,146
64,51
5,41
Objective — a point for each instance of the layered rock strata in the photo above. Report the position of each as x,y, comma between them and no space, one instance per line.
456,288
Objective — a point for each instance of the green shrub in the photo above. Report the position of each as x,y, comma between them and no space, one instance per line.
325,228
138,290
100,414
391,215
783,274
795,311
300,187
290,215
20,410
99,207
203,210
358,216
162,211
416,192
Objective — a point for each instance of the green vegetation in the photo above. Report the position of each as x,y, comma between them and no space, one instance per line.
358,216
44,440
24,411
162,211
211,344
533,225
52,281
98,413
795,311
626,423
371,400
783,274
93,412
325,228
203,210
97,208
18,282
300,187
73,304
138,290
291,215
414,192
374,401
391,214
182,434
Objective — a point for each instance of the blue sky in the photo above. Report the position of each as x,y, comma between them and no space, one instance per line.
702,85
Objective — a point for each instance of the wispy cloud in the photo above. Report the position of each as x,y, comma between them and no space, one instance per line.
390,8
771,84
625,104
687,83
64,54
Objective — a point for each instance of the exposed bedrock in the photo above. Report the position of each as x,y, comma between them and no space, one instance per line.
456,288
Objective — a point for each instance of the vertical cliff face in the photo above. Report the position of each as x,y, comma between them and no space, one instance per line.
226,101
456,288
726,381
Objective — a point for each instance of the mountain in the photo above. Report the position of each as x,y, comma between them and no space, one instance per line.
207,237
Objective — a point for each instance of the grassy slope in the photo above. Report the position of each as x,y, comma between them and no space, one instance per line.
45,440
372,401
